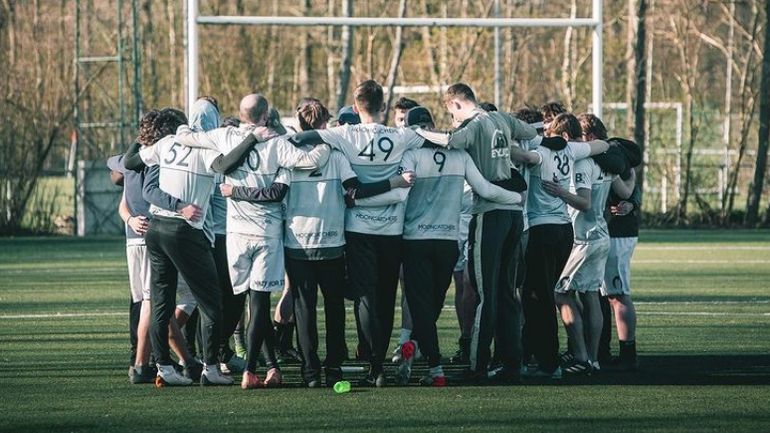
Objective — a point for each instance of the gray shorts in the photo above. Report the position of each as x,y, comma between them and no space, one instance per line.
584,271
617,273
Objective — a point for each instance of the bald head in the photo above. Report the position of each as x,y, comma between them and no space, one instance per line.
253,108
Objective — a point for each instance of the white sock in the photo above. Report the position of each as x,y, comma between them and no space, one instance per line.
406,335
436,371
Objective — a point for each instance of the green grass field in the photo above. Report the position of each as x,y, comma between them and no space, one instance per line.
703,299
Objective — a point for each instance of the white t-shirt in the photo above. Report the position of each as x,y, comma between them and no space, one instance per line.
374,152
184,173
590,225
556,166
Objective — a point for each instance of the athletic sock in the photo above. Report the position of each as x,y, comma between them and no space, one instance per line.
406,335
436,371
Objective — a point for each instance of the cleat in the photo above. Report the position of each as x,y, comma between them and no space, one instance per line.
505,376
396,355
193,371
566,358
579,368
212,376
142,374
333,375
404,368
434,381
462,355
273,378
313,383
372,380
250,381
168,376
540,374
289,356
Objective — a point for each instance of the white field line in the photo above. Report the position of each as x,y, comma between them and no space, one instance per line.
642,246
447,307
704,262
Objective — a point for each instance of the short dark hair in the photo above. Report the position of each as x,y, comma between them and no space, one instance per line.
566,122
369,96
552,109
404,103
311,114
529,114
487,106
460,91
593,125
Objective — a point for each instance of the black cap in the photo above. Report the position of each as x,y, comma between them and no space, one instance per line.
419,116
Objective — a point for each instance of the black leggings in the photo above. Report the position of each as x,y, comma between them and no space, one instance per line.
260,331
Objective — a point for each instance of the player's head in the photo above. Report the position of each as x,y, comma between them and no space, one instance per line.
550,110
156,124
460,101
593,127
369,98
531,115
565,125
399,110
312,114
204,115
253,109
348,116
274,121
487,106
419,116
230,121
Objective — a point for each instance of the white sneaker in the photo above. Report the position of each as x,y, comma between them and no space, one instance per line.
212,376
170,377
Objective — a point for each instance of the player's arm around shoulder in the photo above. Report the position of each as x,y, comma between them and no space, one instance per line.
289,156
624,188
212,140
484,188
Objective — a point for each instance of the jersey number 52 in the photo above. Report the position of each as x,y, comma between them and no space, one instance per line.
178,158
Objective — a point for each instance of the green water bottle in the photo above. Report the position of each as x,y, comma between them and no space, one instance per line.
342,387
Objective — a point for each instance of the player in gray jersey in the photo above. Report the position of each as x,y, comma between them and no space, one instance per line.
550,238
373,233
431,230
495,229
255,229
179,246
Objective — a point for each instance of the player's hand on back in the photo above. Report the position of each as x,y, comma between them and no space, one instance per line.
263,133
139,224
622,208
404,180
190,211
553,188
226,189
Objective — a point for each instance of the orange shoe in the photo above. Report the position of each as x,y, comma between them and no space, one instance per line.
250,381
273,378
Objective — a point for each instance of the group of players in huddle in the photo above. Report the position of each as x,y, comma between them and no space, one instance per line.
221,213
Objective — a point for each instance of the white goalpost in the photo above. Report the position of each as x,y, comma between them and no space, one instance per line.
193,20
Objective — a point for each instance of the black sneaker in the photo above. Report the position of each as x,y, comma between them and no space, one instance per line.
142,374
289,356
193,371
505,376
462,355
372,380
471,377
579,368
333,375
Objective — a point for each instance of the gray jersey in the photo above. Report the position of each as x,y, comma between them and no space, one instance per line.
590,225
435,201
374,152
184,173
218,207
556,166
523,169
315,207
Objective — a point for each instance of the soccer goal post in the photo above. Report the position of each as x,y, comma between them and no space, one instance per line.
193,19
